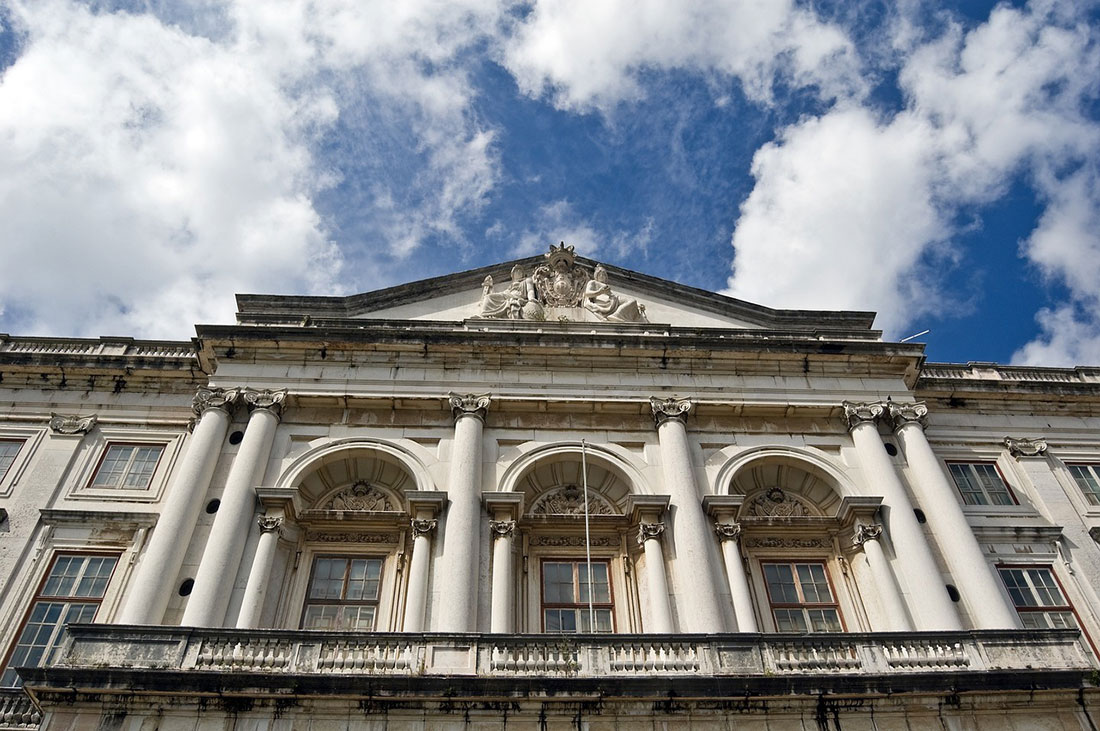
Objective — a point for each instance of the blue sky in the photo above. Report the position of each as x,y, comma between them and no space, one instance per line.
934,162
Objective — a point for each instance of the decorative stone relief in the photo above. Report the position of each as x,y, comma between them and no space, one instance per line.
774,503
269,524
728,531
214,398
360,496
857,412
779,542
649,531
62,424
669,408
904,414
560,282
423,526
270,399
572,541
469,404
502,528
327,537
866,532
1026,447
569,500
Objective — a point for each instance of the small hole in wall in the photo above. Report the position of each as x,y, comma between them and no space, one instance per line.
920,516
891,449
213,505
236,437
186,587
953,593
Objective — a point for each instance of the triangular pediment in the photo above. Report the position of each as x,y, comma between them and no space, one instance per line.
557,287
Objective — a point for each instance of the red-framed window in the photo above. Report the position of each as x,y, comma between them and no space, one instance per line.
801,596
343,593
565,596
71,591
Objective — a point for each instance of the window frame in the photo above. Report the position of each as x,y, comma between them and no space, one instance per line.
136,445
22,444
1092,499
577,563
39,597
971,463
803,605
348,557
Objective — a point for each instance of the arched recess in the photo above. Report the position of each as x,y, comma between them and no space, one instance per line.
556,466
801,472
342,462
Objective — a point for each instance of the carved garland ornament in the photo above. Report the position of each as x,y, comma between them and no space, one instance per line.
326,537
777,542
573,541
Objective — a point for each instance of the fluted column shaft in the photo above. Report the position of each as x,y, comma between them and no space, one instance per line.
660,612
221,559
931,608
729,535
974,576
255,592
693,562
502,618
416,598
151,588
459,562
897,617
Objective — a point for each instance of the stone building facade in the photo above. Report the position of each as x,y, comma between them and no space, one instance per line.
548,493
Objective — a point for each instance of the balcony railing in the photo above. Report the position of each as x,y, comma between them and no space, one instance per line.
292,652
17,711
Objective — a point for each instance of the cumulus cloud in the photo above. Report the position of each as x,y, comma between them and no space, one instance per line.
589,55
148,172
854,209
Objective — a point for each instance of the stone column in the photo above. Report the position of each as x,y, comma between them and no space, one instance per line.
660,613
502,619
729,535
256,590
154,581
221,559
867,536
974,576
932,608
693,561
459,563
417,597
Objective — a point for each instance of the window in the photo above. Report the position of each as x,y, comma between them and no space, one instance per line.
9,448
565,594
1038,598
343,593
1087,477
71,592
980,483
801,597
127,466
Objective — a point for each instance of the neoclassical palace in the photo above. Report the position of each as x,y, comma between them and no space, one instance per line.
549,493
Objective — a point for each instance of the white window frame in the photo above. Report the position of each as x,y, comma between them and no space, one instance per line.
80,484
31,439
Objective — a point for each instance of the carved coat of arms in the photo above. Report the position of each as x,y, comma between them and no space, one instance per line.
560,281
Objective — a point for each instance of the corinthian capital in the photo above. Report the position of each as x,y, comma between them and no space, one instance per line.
866,532
649,532
269,524
859,412
1026,447
423,527
669,408
502,528
905,414
728,531
268,399
214,398
469,404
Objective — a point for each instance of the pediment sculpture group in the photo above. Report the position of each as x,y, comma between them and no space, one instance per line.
560,282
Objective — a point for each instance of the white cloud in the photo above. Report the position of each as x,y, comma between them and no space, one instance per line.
590,55
146,174
848,209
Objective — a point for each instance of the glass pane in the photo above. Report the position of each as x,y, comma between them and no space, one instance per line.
824,620
141,468
1017,587
97,572
790,620
603,619
780,580
328,578
557,583
994,486
8,450
968,488
815,587
599,578
363,579
113,466
1046,588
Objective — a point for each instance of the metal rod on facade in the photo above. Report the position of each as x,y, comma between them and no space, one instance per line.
587,537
